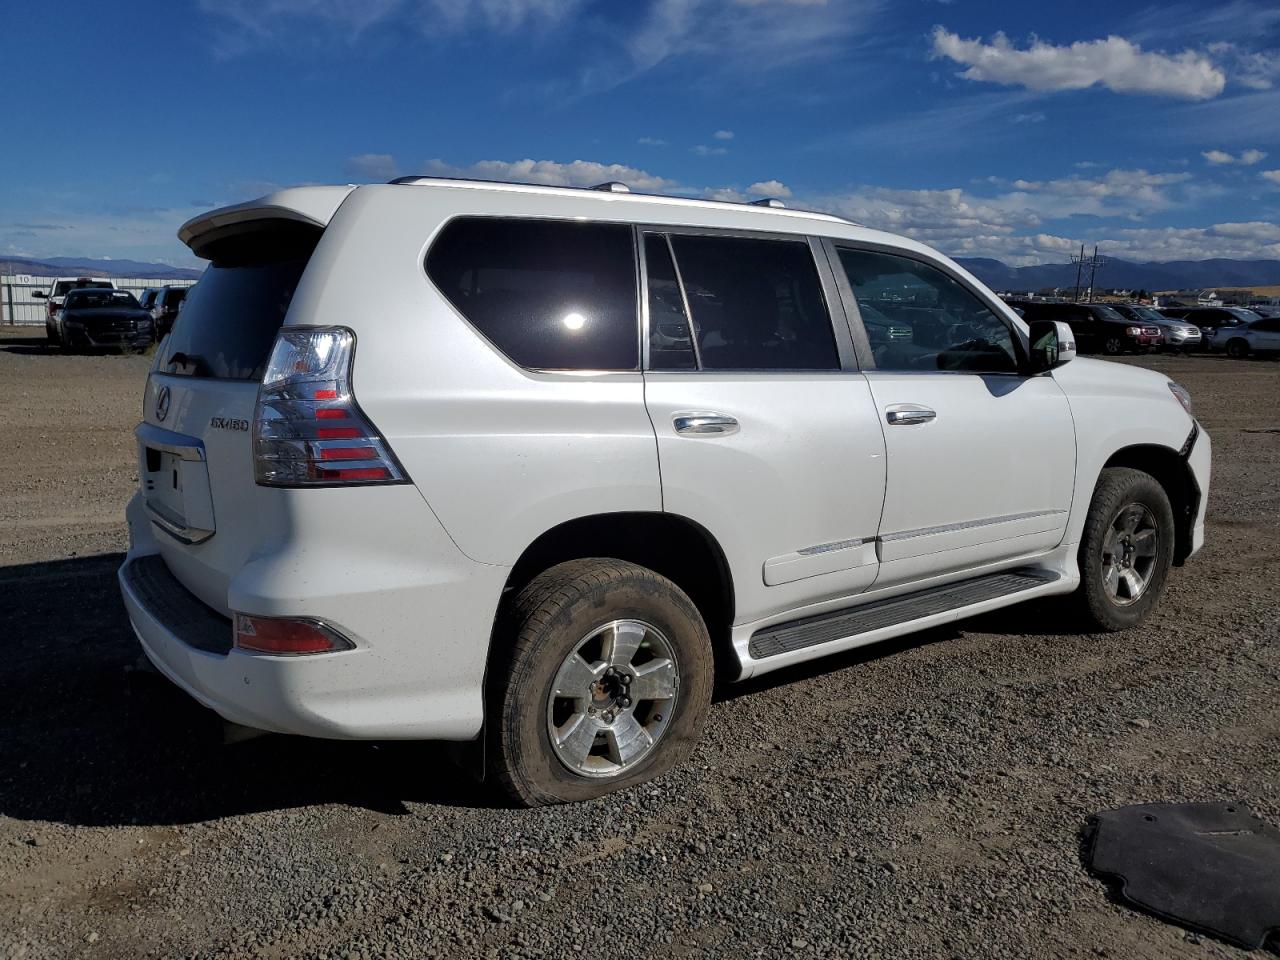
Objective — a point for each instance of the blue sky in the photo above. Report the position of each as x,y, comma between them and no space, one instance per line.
1011,130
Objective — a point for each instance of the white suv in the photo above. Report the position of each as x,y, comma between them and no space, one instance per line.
531,466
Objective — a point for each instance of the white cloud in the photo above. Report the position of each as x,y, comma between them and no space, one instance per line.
702,150
769,188
578,173
259,21
757,34
1247,158
1272,175
651,142
371,166
1114,63
723,135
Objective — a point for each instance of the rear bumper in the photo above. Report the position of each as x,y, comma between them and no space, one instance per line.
417,671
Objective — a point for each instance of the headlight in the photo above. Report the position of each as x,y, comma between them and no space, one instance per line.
1181,395
1133,331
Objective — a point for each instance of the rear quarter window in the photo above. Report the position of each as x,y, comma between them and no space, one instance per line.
551,295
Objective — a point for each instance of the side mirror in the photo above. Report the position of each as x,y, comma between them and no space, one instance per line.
39,295
1052,344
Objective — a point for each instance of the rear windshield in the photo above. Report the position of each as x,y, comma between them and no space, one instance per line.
230,318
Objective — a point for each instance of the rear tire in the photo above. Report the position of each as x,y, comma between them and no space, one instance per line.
1238,348
1126,550
606,684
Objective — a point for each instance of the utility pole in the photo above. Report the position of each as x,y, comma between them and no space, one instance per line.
1079,265
1094,264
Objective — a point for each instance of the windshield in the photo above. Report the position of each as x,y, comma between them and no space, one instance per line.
100,299
230,318
1107,313
1247,315
62,287
1146,313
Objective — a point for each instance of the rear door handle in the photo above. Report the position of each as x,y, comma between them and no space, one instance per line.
704,424
904,414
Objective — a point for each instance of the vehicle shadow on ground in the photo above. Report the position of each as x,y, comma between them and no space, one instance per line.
92,739
28,346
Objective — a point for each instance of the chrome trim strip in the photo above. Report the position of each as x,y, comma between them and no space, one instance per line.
179,444
833,546
966,525
174,526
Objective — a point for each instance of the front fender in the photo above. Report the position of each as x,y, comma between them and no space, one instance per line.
1115,407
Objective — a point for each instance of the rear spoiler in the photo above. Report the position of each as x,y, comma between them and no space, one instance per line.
307,205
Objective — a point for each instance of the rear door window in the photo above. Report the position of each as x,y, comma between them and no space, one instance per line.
756,304
231,317
550,294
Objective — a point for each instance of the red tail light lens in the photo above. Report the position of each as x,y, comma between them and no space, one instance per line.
284,636
308,430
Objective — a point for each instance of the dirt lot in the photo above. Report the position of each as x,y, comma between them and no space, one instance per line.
922,799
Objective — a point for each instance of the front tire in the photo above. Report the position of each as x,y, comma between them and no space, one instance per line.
1113,346
606,684
1126,550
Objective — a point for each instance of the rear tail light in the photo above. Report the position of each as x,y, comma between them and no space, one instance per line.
287,636
308,430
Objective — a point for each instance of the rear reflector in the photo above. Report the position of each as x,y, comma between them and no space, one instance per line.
307,417
287,636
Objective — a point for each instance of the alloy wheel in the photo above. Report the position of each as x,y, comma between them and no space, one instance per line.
613,698
1129,553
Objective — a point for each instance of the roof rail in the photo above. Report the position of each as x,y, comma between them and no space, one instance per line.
612,186
769,202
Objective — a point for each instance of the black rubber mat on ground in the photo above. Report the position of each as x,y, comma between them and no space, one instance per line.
1212,867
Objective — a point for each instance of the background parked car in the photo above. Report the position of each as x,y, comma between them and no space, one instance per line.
98,317
64,285
1098,328
1209,319
1177,334
164,310
147,299
1260,336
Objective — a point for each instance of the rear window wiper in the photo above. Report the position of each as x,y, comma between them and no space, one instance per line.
199,366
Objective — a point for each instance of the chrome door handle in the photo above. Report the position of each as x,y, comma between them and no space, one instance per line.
705,424
904,414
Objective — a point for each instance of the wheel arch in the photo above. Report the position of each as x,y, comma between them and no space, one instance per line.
1170,469
680,549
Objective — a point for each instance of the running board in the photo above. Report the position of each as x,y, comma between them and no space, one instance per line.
880,614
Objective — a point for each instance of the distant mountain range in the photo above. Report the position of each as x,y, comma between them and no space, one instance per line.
1173,275
89,267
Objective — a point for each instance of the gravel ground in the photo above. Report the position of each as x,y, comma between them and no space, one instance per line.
924,798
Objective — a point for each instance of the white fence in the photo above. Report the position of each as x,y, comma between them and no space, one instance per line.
18,306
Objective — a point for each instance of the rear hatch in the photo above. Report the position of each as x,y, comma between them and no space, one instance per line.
195,448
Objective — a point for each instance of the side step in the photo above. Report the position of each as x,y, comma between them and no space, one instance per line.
851,621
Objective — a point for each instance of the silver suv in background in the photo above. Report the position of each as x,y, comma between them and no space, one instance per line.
1177,335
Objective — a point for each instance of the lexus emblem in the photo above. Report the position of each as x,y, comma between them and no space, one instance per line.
162,404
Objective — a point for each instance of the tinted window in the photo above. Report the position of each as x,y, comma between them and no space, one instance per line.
670,344
756,304
918,318
551,295
62,286
1107,313
99,299
232,315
